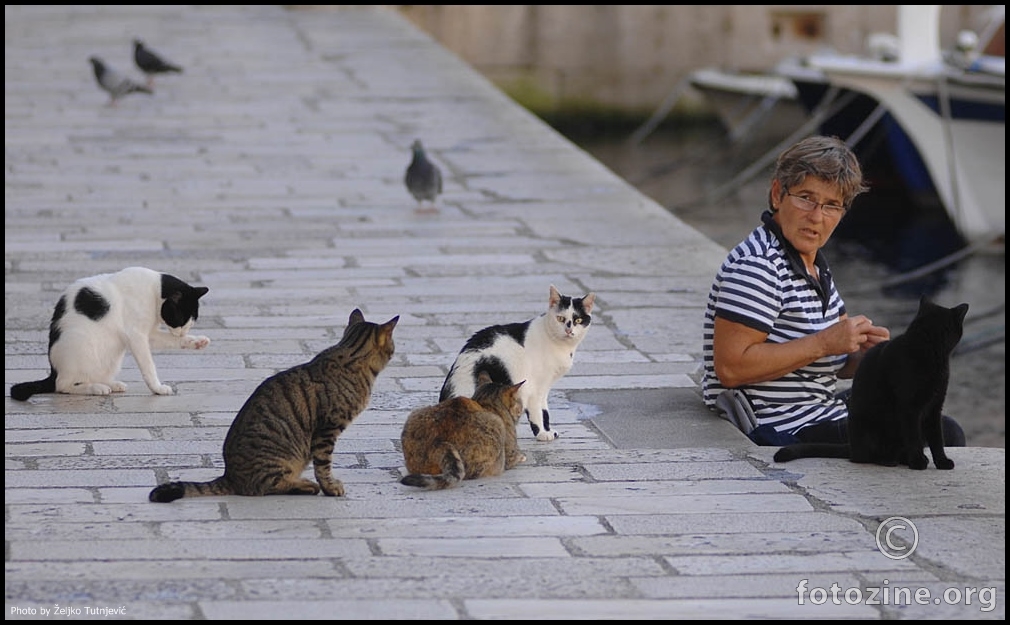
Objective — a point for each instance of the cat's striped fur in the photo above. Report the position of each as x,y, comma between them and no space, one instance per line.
294,417
463,438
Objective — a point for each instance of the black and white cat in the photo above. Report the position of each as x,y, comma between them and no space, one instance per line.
897,396
538,351
98,318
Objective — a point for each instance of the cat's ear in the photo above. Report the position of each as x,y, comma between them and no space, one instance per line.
555,297
386,333
200,291
356,317
513,391
962,311
483,377
587,302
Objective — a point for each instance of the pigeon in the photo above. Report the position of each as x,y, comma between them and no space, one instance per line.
423,179
150,63
112,82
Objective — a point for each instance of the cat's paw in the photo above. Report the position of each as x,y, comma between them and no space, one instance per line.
918,463
945,464
514,461
332,488
547,435
299,487
97,388
117,387
162,389
195,342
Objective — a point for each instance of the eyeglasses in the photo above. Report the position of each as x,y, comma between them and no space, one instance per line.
808,205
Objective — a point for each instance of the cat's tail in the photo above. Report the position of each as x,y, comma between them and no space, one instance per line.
24,390
170,491
453,472
812,450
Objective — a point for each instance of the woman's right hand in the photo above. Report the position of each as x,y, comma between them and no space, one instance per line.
854,334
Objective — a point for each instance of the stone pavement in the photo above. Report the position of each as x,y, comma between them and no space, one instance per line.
271,171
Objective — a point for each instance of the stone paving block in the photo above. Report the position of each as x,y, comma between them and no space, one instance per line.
656,609
467,527
986,566
748,522
474,547
971,488
32,448
237,530
181,569
674,471
354,609
867,560
157,447
174,549
59,479
631,381
456,576
738,586
112,512
685,504
723,543
124,593
405,507
76,434
52,531
46,494
27,420
554,572
640,489
91,462
644,456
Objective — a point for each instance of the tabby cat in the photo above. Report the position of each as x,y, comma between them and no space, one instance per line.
540,351
98,318
463,438
897,396
294,417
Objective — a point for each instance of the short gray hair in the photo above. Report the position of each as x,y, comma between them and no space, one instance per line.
826,158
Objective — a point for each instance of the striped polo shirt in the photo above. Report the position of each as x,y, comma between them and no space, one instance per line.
763,284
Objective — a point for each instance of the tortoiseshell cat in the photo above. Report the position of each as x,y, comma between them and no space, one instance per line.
539,351
294,417
897,396
463,438
98,318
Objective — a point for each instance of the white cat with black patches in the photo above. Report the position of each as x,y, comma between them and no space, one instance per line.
98,318
538,351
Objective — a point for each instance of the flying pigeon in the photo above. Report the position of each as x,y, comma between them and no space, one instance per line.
112,82
150,63
423,178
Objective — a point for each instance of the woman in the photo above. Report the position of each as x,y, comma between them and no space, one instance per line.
777,336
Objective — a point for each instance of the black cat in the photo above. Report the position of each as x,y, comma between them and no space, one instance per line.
897,395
